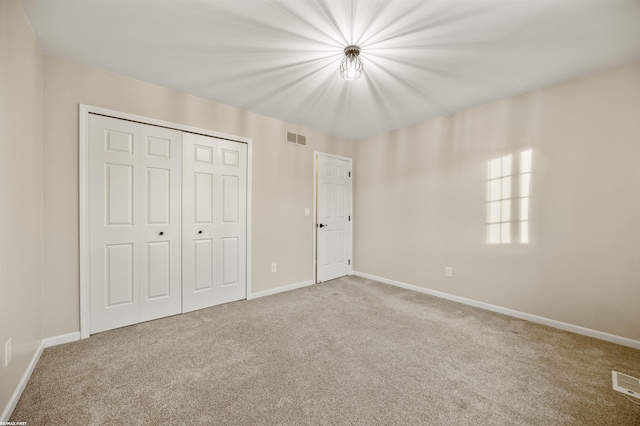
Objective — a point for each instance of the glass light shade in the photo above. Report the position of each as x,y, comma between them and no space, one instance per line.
351,65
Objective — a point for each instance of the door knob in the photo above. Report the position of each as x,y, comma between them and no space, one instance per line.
161,233
199,232
322,225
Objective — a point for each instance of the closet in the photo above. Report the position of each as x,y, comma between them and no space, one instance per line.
167,222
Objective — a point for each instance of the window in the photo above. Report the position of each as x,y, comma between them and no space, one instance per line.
505,209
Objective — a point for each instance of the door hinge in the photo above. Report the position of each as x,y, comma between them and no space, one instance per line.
349,218
349,262
349,174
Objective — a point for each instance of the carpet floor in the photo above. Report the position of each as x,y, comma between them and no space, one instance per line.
348,351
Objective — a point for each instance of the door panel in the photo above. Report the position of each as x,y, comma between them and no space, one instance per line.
203,197
119,194
204,153
134,221
334,213
119,278
231,221
158,196
203,264
340,201
159,273
160,230
327,237
199,251
327,199
230,194
119,141
214,221
113,218
229,261
158,147
340,246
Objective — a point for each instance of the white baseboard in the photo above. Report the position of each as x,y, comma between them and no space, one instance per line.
506,311
46,343
13,401
280,289
62,339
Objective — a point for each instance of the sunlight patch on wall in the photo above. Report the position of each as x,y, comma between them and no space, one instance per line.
525,188
499,201
503,207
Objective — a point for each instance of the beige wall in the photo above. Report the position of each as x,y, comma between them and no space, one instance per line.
20,195
282,178
420,203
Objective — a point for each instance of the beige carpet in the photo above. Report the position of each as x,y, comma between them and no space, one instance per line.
349,351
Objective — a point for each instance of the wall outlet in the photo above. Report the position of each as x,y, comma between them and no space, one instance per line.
274,267
7,353
448,271
306,211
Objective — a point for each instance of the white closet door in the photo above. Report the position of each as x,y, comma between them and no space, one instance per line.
213,221
232,221
160,224
134,196
113,216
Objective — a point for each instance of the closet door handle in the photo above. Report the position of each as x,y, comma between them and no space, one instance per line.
199,232
161,233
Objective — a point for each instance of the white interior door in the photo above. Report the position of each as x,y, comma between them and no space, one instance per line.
134,222
333,217
214,194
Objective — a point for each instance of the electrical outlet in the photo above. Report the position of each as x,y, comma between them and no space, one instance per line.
7,353
448,271
306,211
274,267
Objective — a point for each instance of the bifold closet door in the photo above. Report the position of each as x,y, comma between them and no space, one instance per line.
214,221
134,222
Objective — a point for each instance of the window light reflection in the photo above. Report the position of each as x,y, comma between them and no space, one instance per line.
501,212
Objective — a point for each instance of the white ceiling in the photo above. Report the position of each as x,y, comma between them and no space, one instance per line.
421,59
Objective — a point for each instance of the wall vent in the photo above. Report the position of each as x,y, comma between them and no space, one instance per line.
626,384
296,139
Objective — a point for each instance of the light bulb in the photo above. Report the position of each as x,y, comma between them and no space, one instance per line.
351,65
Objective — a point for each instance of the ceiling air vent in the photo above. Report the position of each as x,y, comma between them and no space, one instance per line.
296,139
626,384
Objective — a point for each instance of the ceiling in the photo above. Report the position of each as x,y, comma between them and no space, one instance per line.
422,59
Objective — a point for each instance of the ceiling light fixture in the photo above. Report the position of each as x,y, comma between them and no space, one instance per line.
351,65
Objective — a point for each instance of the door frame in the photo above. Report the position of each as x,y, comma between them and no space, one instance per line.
83,171
314,261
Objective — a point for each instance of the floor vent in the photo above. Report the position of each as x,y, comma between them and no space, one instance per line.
296,139
626,384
